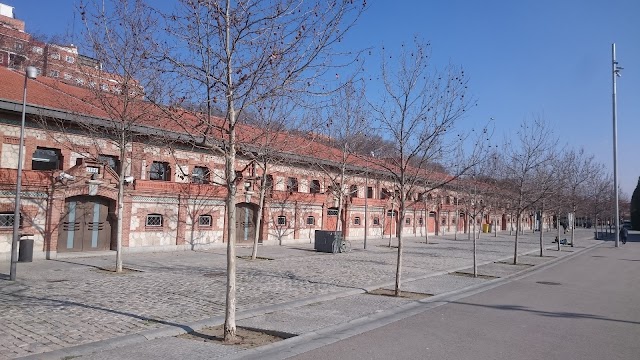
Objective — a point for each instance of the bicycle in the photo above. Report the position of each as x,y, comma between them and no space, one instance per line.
341,246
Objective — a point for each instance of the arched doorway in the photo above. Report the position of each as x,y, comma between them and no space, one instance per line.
85,225
246,218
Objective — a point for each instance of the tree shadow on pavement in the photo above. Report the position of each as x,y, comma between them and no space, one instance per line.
55,303
561,314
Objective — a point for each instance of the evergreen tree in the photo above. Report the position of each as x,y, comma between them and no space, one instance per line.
635,207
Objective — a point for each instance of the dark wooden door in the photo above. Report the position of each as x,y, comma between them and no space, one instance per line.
85,225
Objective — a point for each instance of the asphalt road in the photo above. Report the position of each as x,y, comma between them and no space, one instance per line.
587,307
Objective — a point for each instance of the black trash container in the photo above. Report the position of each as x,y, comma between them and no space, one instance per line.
324,240
25,250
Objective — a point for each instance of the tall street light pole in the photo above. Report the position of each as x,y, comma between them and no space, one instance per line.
615,73
30,73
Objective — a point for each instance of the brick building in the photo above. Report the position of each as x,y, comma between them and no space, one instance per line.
171,200
64,62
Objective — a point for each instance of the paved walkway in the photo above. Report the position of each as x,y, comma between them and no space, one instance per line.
65,306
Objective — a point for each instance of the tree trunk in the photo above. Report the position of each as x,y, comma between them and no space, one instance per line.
511,224
120,209
515,247
541,230
427,216
475,257
230,162
399,261
391,223
558,229
573,224
263,190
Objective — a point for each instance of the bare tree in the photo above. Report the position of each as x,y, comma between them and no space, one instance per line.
240,54
579,168
120,37
531,150
347,126
418,106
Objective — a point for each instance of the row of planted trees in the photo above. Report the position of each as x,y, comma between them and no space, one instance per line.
237,77
532,172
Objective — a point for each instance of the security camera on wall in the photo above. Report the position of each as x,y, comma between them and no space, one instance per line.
65,176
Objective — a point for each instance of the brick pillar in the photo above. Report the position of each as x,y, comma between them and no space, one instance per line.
55,208
264,222
126,221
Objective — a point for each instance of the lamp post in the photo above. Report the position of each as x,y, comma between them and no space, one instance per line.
615,73
30,73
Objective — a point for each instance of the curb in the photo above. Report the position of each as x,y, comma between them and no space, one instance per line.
315,339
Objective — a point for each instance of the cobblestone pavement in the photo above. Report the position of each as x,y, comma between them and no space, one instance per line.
67,302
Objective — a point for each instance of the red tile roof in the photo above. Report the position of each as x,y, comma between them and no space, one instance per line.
53,94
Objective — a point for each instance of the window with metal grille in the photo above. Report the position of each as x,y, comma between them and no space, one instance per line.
376,221
154,220
205,220
391,213
6,220
356,220
311,220
332,212
407,221
282,220
159,171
